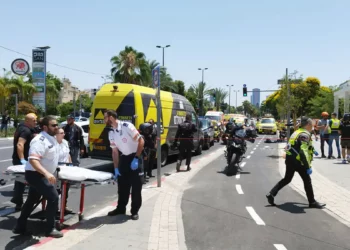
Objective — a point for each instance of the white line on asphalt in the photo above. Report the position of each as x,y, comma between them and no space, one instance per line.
252,152
243,164
248,157
238,175
9,185
6,160
6,147
280,247
239,189
255,216
255,148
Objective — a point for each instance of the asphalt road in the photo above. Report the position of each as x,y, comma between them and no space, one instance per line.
96,197
221,212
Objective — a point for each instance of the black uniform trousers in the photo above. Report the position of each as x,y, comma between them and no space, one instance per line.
324,139
39,186
186,147
293,166
149,163
18,189
129,179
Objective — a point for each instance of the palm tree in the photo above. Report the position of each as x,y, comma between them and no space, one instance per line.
201,91
220,96
22,88
130,66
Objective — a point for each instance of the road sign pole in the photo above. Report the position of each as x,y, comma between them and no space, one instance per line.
156,84
288,105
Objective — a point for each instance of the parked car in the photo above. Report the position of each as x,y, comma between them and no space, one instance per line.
84,125
208,131
77,119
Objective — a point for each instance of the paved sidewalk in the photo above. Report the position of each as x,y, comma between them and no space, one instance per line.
330,180
160,226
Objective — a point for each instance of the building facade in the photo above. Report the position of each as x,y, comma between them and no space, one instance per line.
68,91
342,92
256,97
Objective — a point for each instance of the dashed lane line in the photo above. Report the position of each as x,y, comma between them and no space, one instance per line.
238,176
279,246
243,164
252,152
248,157
239,189
255,216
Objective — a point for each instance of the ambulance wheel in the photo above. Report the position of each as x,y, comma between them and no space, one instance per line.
199,149
81,217
164,156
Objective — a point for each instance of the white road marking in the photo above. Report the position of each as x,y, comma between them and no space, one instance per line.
248,157
239,189
6,160
255,216
243,164
252,152
279,246
10,185
238,176
6,147
254,148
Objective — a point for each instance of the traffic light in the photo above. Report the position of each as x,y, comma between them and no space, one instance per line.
94,91
214,97
245,91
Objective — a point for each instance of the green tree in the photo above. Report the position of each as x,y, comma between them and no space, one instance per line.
180,86
220,96
130,66
65,109
323,101
200,92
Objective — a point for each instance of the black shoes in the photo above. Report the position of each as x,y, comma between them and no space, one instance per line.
317,205
189,168
115,212
135,217
21,231
270,199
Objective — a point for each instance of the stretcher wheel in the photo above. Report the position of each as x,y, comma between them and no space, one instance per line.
81,217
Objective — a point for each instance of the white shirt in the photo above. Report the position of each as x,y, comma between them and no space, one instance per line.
63,151
44,148
123,138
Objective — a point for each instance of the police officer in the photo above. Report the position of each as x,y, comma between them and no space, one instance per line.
344,130
74,137
127,145
334,125
21,141
146,130
299,154
152,155
39,173
185,134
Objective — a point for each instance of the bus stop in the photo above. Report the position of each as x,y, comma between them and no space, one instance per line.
342,92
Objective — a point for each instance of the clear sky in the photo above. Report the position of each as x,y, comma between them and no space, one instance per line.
241,42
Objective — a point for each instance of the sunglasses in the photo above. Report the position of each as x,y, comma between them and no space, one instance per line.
54,125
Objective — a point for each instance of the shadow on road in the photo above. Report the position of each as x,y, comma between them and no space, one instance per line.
274,156
293,207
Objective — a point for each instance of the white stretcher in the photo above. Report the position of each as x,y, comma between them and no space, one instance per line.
77,176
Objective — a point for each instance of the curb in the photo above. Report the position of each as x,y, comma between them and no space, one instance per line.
6,139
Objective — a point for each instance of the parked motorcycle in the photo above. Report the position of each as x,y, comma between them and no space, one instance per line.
236,149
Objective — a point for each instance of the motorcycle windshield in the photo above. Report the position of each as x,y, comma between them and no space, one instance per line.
240,133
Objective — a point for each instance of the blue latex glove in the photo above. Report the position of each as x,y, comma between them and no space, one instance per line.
23,161
315,153
135,164
116,173
309,171
70,164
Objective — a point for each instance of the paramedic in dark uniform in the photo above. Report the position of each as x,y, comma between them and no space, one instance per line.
127,146
153,151
299,154
74,137
39,174
185,134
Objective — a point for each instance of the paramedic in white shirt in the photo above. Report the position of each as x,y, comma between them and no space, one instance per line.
127,145
64,159
39,174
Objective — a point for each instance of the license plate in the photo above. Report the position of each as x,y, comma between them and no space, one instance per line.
100,147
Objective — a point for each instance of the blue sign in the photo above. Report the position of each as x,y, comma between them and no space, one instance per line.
38,74
244,85
156,77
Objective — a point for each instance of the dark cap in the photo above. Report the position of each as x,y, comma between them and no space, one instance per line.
70,117
334,113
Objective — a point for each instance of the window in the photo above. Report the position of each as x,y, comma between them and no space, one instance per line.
85,128
269,120
213,117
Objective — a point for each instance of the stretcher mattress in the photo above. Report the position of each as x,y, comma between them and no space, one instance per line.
70,173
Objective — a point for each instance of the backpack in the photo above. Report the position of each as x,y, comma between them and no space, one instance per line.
186,129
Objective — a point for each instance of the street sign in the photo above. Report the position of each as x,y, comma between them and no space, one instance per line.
39,77
20,67
156,77
244,85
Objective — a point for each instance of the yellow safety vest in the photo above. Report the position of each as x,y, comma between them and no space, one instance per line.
335,124
306,147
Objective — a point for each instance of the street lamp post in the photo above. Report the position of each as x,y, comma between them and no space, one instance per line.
236,96
229,97
201,97
163,47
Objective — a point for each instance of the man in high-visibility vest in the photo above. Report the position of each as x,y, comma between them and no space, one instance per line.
299,154
334,125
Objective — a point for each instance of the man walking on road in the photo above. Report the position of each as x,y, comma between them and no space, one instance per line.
74,137
344,130
299,154
21,141
185,134
334,125
324,133
127,145
5,120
